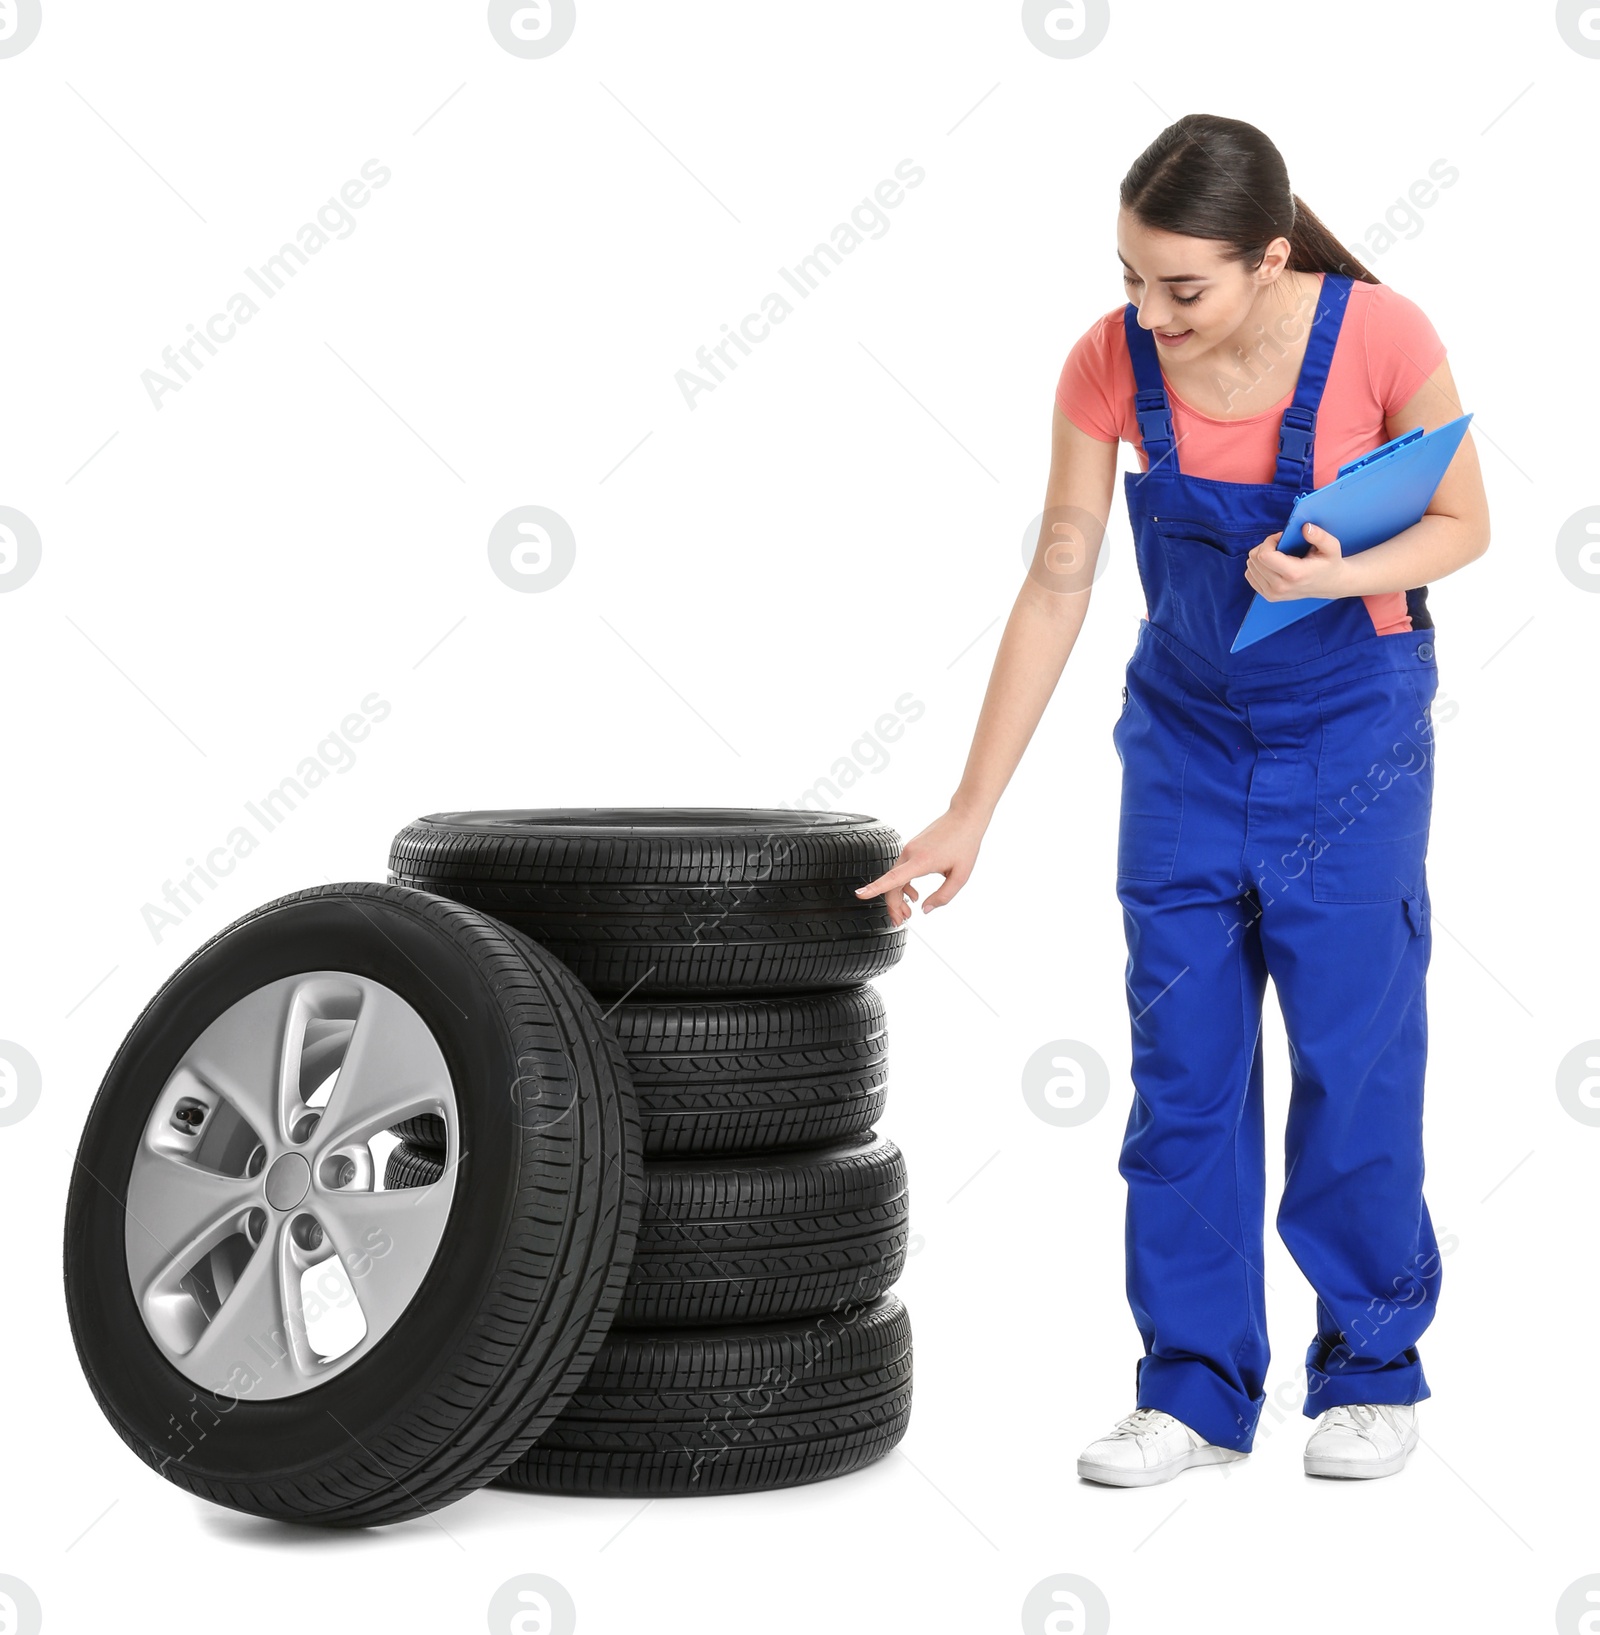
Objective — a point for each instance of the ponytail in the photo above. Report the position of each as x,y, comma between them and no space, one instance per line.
1312,248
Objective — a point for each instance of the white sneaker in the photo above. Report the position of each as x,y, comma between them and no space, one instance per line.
1147,1447
1362,1439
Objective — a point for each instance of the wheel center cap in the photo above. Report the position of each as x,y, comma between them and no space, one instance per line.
288,1181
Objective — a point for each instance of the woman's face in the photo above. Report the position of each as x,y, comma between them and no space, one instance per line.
1189,294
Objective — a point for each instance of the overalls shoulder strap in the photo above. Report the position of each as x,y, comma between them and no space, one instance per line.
1297,433
1150,406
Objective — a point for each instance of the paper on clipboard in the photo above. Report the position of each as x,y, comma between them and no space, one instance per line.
1371,500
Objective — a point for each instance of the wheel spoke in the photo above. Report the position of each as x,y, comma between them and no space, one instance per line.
387,1242
392,1069
176,1211
255,1344
248,1057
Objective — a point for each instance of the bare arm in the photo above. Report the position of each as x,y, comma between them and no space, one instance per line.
1039,635
1453,532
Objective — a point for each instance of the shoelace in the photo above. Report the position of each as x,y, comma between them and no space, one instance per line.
1143,1423
1356,1416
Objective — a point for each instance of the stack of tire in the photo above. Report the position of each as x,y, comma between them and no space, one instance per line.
369,1210
755,1344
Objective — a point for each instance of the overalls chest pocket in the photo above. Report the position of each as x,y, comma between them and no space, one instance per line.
1375,767
1204,587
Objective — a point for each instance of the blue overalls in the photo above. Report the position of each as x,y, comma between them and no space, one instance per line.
1274,822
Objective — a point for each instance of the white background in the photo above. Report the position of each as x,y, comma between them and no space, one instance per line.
756,581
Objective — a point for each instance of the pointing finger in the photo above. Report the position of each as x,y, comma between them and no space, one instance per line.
897,877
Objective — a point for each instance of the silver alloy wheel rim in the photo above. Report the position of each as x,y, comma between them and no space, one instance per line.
255,1215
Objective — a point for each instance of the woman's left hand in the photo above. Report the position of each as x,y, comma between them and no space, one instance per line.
1282,578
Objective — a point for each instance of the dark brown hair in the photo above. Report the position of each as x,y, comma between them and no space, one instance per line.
1209,177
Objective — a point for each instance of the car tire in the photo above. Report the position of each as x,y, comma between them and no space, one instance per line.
736,1240
745,1075
653,903
766,1405
200,1356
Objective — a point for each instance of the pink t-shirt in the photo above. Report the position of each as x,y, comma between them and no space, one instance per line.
1386,350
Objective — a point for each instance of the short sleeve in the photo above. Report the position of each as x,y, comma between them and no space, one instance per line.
1403,348
1085,392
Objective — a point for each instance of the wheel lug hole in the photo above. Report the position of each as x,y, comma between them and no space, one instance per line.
305,1128
306,1232
255,1225
338,1171
256,1162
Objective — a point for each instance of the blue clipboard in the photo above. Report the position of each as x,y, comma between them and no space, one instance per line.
1371,500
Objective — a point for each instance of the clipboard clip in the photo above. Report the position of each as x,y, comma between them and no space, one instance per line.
1403,441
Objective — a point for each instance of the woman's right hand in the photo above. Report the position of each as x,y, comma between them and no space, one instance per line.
948,846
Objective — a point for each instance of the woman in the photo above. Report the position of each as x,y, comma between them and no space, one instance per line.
1275,802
